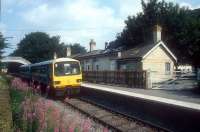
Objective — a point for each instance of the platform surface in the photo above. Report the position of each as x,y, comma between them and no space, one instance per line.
188,99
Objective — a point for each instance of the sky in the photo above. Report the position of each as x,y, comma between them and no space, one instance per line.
75,21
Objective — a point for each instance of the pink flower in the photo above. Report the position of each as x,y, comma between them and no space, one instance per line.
71,128
86,125
29,115
66,99
62,126
105,129
34,115
56,129
17,83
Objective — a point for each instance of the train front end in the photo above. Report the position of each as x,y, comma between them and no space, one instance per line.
67,77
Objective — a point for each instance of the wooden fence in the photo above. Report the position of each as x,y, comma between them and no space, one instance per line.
134,79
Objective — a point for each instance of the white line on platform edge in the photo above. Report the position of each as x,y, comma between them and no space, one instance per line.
146,97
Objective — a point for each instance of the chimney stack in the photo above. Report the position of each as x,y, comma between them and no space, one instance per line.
68,51
157,31
92,45
106,45
54,55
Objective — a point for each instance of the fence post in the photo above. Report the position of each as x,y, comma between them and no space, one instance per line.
198,77
148,79
198,74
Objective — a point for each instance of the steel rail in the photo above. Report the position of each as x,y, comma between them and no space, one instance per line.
130,119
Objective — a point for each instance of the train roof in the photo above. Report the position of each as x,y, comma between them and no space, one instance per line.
50,62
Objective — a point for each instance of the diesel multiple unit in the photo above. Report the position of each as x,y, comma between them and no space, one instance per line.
57,77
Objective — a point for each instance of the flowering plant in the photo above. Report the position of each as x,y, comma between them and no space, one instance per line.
41,114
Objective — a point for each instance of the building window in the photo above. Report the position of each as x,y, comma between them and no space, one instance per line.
112,66
167,68
97,67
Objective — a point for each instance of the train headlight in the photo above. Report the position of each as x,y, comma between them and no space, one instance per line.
79,80
56,82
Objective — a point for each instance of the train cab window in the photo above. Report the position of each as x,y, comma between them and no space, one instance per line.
66,68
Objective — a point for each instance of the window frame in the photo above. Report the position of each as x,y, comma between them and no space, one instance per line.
68,74
167,68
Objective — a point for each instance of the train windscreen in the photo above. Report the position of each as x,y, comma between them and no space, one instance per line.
66,68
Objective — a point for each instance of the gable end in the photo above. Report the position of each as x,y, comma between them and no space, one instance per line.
165,47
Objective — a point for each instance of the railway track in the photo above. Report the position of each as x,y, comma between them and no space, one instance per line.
108,117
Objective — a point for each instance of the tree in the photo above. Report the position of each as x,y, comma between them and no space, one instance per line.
39,46
192,40
180,29
77,49
3,44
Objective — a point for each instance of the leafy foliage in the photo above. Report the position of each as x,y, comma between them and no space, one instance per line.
77,48
3,44
39,46
16,99
181,29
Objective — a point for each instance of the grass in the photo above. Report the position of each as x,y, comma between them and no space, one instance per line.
5,110
17,97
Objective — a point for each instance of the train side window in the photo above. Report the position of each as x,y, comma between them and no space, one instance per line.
50,71
42,70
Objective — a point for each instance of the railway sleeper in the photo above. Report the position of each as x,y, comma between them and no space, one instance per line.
101,114
111,119
128,127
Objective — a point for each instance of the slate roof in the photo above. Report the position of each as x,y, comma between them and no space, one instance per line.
88,54
138,51
135,53
96,53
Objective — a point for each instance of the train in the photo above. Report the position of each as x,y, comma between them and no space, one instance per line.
57,77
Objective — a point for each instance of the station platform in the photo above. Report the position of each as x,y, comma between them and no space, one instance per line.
187,99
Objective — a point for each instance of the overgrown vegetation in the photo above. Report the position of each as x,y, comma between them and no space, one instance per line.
17,98
33,113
